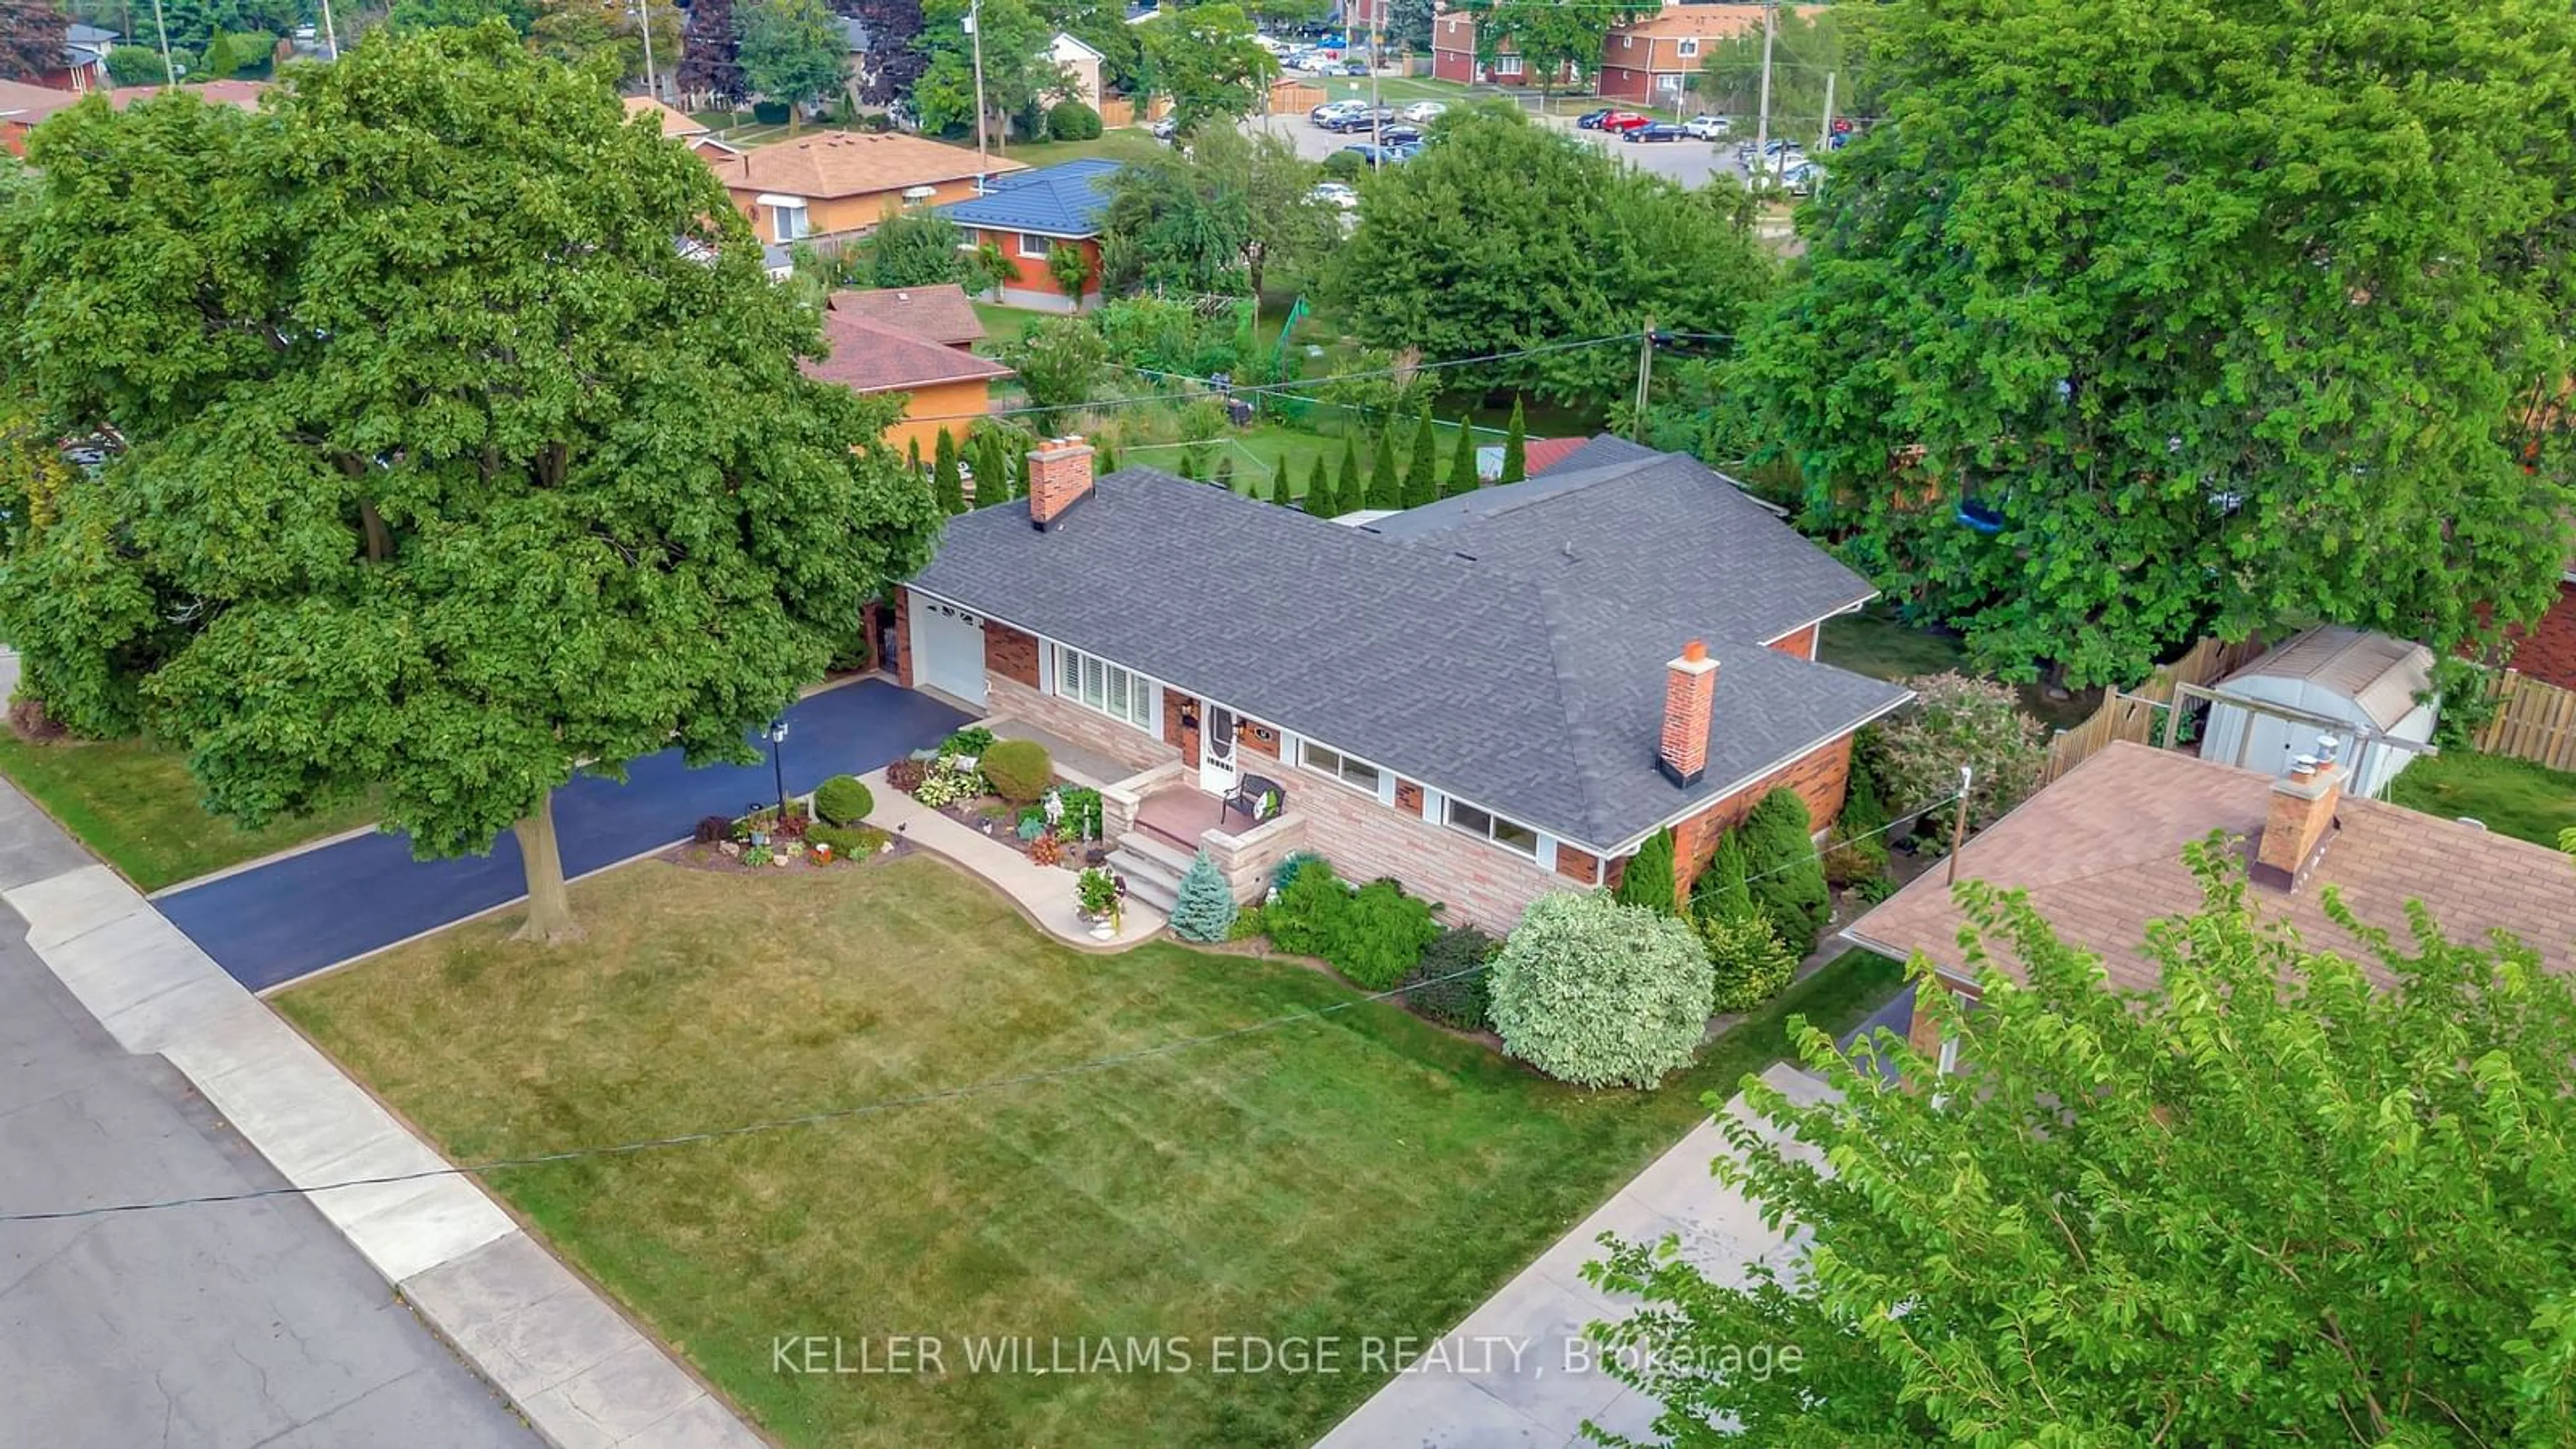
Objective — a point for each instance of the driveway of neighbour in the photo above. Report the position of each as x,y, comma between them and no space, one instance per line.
1519,1373
270,924
226,1326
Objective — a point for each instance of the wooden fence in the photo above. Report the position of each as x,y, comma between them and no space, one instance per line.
2136,714
2533,721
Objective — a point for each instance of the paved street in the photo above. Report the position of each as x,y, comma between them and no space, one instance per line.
222,1326
276,922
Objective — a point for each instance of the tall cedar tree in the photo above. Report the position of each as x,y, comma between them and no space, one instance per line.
2208,343
1724,887
1386,488
1462,462
31,38
1648,879
1516,446
1319,484
1788,876
1347,492
945,482
893,61
1422,471
418,498
709,66
1224,472
2238,1200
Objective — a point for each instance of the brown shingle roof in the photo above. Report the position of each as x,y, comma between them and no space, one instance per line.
25,105
941,313
850,163
2100,855
873,357
1698,22
676,125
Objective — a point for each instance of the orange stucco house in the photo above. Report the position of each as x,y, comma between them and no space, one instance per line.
917,341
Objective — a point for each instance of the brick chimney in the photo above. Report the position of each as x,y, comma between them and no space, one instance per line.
2301,813
1690,690
1059,477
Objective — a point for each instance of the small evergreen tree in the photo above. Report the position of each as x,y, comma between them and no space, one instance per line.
1462,462
1422,474
1225,472
1346,492
1318,483
1203,908
1385,489
1516,446
1280,492
1723,889
1786,875
945,482
1648,880
1104,461
916,457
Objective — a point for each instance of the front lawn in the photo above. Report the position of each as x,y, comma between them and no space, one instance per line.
134,803
2513,797
1358,1174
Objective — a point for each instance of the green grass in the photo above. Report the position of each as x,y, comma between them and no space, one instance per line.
134,804
1357,1174
2513,797
1005,325
1877,643
1127,143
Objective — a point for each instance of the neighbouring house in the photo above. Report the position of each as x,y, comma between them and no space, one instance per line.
945,386
84,66
1537,456
2546,651
1489,698
835,183
2365,688
23,107
938,314
1032,215
1081,66
1453,57
2099,856
677,125
1656,60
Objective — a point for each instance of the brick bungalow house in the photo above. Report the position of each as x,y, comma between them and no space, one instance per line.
1453,57
1655,61
2099,854
1030,216
837,182
1489,698
916,341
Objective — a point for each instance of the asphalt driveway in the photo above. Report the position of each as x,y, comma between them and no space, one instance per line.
273,923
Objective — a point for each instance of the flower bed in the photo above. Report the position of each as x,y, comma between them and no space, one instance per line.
763,840
1061,827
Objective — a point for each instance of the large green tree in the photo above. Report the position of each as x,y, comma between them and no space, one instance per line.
579,32
446,473
791,51
1610,248
1231,215
2199,341
1808,47
1019,75
2267,1203
1549,34
1203,57
461,14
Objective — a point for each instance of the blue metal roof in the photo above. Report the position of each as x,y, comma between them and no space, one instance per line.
1065,200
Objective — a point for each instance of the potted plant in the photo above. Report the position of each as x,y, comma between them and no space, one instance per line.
1097,892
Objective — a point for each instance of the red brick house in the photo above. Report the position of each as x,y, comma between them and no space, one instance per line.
2547,650
1656,60
1489,698
1453,57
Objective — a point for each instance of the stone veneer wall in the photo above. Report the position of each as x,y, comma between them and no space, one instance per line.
1481,883
1088,728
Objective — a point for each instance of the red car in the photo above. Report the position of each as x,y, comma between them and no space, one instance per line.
1618,121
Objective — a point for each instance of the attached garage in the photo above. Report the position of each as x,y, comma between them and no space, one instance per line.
947,647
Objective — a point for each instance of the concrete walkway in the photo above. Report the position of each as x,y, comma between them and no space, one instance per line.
576,1369
1044,892
1519,1372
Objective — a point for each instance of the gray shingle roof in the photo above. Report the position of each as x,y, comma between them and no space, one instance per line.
1458,646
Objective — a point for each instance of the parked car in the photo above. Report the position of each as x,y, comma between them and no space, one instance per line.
1335,193
1164,129
1618,121
1400,136
1331,111
1348,67
1709,128
1426,111
1363,119
1652,131
1386,155
1800,180
1591,120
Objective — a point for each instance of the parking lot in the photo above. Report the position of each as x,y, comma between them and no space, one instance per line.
1692,163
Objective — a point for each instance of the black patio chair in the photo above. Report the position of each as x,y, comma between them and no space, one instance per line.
1259,799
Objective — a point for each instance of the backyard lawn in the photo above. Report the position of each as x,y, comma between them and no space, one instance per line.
2513,797
1876,643
1358,1174
134,803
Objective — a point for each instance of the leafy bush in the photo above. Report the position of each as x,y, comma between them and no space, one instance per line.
907,775
712,828
1344,166
1600,994
135,65
1289,864
1955,720
1098,890
856,842
1203,909
1073,121
1032,824
1379,935
1046,850
972,740
1747,962
1875,889
947,786
1018,770
1447,986
1648,879
916,248
1308,914
1859,849
1787,876
1250,921
844,800
1081,818
2465,690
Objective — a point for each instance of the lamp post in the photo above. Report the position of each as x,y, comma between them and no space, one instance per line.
777,765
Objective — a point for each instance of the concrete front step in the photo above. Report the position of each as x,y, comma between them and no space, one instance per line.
1148,880
1146,845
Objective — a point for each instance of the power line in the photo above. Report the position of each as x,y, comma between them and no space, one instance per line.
828,1115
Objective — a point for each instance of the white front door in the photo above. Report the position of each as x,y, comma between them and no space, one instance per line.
1217,770
948,650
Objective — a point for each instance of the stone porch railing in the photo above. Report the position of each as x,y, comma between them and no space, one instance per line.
1249,856
1119,799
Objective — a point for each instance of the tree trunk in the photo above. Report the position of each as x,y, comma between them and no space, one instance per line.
549,921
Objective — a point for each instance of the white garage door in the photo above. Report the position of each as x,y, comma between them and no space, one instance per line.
948,649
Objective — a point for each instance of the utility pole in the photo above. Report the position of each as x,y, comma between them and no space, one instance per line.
983,161
330,32
1959,826
1377,123
1762,115
1645,376
1825,137
169,67
644,13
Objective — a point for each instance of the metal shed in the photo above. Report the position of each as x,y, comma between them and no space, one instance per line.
2334,679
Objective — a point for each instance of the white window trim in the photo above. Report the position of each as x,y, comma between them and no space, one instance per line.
1046,246
1384,788
790,223
1507,65
1144,696
1689,48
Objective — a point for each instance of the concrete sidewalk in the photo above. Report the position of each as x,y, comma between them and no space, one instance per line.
1519,1372
577,1370
1044,892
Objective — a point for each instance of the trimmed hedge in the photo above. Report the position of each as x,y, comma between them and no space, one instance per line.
1447,987
1599,994
853,842
844,800
1073,121
1018,770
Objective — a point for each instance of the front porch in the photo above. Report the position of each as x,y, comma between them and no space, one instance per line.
1158,820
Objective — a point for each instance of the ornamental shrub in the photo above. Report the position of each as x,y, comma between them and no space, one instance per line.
1747,962
1081,819
1379,935
1721,888
1859,849
1308,913
1648,879
1786,874
1073,121
1204,908
947,786
1954,720
972,740
1289,864
844,800
1018,770
1600,994
712,828
853,841
907,775
1453,983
